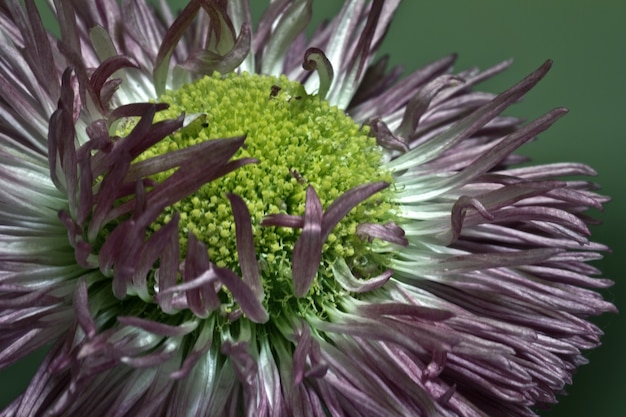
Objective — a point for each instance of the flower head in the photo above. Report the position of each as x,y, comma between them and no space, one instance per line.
205,219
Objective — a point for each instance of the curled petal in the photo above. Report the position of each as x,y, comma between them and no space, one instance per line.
315,60
104,71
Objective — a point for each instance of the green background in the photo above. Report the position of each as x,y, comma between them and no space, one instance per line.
587,43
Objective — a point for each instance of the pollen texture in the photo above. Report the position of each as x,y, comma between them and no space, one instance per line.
299,140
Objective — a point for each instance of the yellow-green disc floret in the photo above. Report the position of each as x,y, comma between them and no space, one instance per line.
299,140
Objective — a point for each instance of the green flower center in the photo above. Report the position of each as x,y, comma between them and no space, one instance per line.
299,140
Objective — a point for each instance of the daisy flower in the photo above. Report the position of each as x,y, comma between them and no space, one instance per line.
202,219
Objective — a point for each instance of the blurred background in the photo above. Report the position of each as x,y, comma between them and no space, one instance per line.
588,46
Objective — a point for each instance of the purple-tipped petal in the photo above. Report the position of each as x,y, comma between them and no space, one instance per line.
346,202
418,105
283,220
81,307
174,33
307,252
245,245
244,295
158,328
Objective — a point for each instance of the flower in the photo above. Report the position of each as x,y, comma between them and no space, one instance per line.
206,220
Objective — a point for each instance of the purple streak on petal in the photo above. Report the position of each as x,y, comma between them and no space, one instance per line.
37,50
11,297
362,51
99,139
67,23
365,388
194,171
141,140
61,137
107,194
73,229
307,347
44,387
307,252
103,162
167,273
555,222
497,153
85,187
82,252
244,295
107,91
81,308
144,26
401,309
221,33
300,354
245,245
574,198
538,172
376,82
158,328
